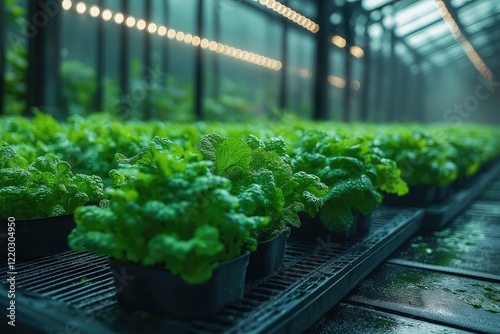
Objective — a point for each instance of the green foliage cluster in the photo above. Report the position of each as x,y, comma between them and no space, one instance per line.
264,180
44,188
168,210
189,196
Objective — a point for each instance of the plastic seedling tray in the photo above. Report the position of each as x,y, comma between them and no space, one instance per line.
418,196
39,237
437,216
443,193
312,229
314,277
159,291
268,257
363,223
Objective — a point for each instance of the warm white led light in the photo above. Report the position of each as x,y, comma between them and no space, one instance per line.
141,24
107,15
204,43
81,8
339,41
196,41
220,48
171,33
94,11
356,51
119,18
336,81
188,38
179,36
130,22
66,4
162,31
152,28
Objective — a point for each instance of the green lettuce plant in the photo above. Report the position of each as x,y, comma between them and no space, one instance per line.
168,210
264,180
46,187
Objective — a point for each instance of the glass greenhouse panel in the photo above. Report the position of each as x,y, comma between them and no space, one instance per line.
79,59
300,73
15,57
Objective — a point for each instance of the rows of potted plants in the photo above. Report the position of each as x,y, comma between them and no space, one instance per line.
193,204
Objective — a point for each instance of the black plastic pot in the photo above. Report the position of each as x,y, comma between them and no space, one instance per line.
489,164
157,290
460,182
363,223
312,229
443,192
418,196
36,238
268,257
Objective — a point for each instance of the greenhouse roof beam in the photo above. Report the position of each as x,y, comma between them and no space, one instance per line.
428,25
465,5
441,48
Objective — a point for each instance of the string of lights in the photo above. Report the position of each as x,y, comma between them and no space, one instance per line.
355,50
290,14
469,50
180,36
197,41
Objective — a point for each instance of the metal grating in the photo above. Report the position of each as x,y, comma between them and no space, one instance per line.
85,282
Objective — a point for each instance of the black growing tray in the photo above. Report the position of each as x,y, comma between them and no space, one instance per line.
312,229
39,237
157,290
314,277
418,196
439,215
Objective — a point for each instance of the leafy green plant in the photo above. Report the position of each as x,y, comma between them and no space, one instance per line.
422,159
44,188
264,180
168,210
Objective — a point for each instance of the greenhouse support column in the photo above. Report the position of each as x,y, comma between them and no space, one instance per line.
420,116
99,62
346,112
395,94
165,40
44,56
124,60
365,81
390,96
405,80
2,57
322,61
147,63
216,58
198,79
284,61
379,87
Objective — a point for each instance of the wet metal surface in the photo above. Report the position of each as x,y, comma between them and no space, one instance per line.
458,301
447,281
354,319
470,243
